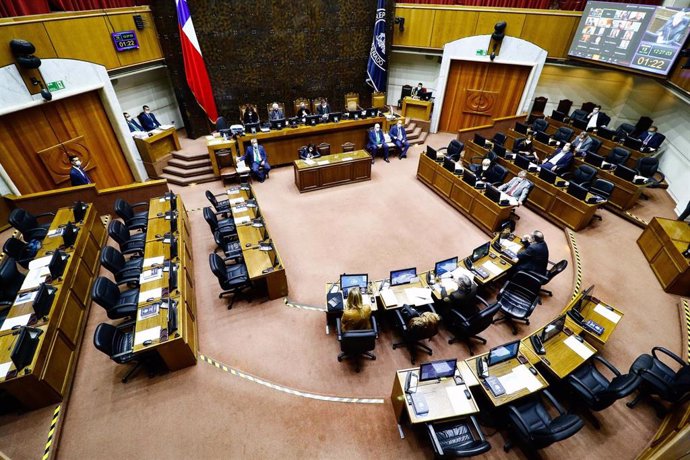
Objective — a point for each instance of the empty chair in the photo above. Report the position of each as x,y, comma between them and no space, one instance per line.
378,100
595,145
518,298
348,147
453,151
538,107
564,105
230,247
222,206
18,250
413,335
602,188
540,124
597,392
232,278
642,125
116,304
352,102
583,175
221,123
551,273
226,226
499,138
124,271
534,428
118,342
357,343
11,280
588,107
659,379
562,134
129,244
324,148
579,114
467,327
618,156
624,130
405,91
649,168
28,224
457,438
133,220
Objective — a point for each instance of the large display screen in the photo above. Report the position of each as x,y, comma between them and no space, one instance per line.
642,37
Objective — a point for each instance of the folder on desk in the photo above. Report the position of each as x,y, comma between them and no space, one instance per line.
607,313
34,278
578,347
40,262
389,297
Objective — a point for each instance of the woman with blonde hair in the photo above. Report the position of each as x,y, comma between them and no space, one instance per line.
356,315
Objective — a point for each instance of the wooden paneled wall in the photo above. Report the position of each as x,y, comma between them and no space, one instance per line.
84,36
477,92
36,143
681,77
428,26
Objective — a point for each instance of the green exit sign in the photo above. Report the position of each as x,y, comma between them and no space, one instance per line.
480,52
56,85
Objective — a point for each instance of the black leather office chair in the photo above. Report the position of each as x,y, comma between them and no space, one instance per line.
592,388
129,244
618,156
496,174
455,147
412,337
649,168
588,107
222,206
642,125
624,130
594,146
562,134
457,438
133,220
540,124
518,298
225,226
564,105
357,343
233,278
231,247
602,188
18,250
125,271
118,343
583,175
551,273
475,163
466,327
11,280
116,304
221,123
579,114
28,224
499,138
659,379
534,427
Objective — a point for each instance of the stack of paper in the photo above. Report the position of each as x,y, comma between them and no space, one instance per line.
492,267
388,297
520,377
25,297
462,271
4,369
606,313
510,245
34,278
578,347
419,296
9,323
153,333
151,294
309,161
322,162
40,262
347,159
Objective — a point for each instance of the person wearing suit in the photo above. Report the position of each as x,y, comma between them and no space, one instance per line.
323,109
518,187
525,147
378,141
132,124
77,175
275,113
417,91
597,118
255,158
560,159
399,138
250,115
651,140
355,316
148,119
303,111
581,144
535,256
309,151
489,172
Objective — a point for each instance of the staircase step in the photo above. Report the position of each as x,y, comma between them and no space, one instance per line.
185,164
181,172
415,134
188,180
190,156
420,140
410,127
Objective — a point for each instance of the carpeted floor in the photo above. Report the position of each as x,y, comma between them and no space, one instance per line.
390,222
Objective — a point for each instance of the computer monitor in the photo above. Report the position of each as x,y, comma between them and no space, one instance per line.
348,282
479,140
294,121
558,116
44,300
480,251
579,124
372,112
252,128
335,116
548,175
624,173
499,150
503,353
313,120
354,114
57,264
172,278
594,159
446,266
225,133
521,127
69,234
578,191
436,370
469,177
173,248
431,152
552,329
606,133
584,296
448,164
633,143
278,123
79,210
403,276
521,161
493,193
542,137
426,96
25,346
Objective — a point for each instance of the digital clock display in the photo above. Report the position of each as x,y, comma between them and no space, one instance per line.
126,40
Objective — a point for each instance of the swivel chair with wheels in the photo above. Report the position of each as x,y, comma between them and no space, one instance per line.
457,438
133,220
28,224
551,273
518,298
222,206
540,124
412,337
118,343
562,135
467,327
125,271
129,244
231,247
226,227
455,147
116,304
357,343
233,278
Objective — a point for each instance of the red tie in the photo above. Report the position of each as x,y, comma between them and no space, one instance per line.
514,187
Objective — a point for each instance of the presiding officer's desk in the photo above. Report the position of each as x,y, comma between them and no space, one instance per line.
416,108
332,170
46,379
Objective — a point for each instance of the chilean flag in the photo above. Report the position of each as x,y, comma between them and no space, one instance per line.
194,66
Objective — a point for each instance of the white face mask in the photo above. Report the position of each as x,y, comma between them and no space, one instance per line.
77,163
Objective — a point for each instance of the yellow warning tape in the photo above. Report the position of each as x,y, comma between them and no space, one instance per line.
638,219
284,389
686,307
578,262
51,432
303,307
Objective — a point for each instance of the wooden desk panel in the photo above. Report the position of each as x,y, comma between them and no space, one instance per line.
416,108
341,168
155,149
624,195
216,144
663,243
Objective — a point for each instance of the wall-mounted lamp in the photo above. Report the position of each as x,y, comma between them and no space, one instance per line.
47,95
400,22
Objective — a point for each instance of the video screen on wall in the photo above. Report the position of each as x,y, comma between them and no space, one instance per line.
641,37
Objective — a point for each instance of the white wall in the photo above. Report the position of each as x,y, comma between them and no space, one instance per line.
152,88
409,69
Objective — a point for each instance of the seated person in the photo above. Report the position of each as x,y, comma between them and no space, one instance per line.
581,144
255,158
148,119
275,113
417,91
250,115
560,160
518,187
462,299
355,316
378,141
309,151
399,138
489,172
651,140
534,257
525,147
303,111
132,124
424,323
597,118
323,109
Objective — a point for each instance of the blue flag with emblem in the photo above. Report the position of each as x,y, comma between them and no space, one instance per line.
376,67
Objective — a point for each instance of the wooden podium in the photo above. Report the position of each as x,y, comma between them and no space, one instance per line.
416,108
663,243
155,149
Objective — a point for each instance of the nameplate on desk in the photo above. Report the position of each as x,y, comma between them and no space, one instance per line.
241,208
150,275
607,313
55,232
148,312
234,201
25,297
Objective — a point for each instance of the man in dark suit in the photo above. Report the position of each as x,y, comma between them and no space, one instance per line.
275,113
323,109
535,256
399,138
148,119
597,118
651,140
418,91
77,175
132,124
560,160
490,172
303,111
255,158
582,143
378,141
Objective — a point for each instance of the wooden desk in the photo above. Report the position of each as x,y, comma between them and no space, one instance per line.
416,108
663,243
559,358
472,202
216,147
625,193
445,398
332,170
47,378
282,146
592,310
400,293
154,150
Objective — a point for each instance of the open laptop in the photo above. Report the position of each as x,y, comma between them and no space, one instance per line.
404,276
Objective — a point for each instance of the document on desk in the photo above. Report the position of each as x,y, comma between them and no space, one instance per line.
492,268
234,201
242,220
346,159
606,313
310,162
461,271
55,232
153,274
527,379
510,245
9,323
419,296
322,162
25,297
34,278
151,294
511,383
449,284
578,347
153,333
233,191
40,262
4,369
460,403
154,261
388,297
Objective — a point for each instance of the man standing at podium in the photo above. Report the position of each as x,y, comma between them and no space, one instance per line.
148,119
77,175
399,138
